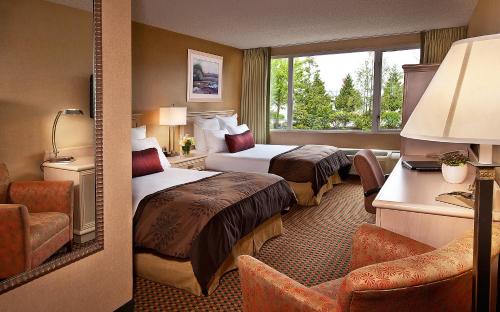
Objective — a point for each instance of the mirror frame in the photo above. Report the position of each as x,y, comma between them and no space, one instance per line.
98,243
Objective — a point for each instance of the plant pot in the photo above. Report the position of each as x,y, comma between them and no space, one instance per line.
454,174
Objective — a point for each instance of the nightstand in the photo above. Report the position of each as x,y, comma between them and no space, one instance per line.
82,173
195,162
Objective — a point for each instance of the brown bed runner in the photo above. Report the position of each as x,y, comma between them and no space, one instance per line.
202,220
310,163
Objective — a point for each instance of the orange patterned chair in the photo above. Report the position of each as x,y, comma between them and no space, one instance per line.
389,272
36,219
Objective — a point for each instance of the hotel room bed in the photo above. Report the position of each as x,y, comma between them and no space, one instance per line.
189,226
310,170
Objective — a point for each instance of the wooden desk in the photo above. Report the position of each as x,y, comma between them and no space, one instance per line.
406,205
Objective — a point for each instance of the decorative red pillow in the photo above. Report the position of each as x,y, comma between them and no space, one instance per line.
145,162
239,142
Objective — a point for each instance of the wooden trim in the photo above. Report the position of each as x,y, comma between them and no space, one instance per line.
420,67
98,245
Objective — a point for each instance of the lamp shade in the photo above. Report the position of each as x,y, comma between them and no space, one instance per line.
173,116
462,102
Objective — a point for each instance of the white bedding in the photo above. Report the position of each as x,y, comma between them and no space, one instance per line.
149,184
255,159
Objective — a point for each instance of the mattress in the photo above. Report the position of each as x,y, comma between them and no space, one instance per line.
256,159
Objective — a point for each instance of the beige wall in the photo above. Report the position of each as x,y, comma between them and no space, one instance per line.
486,18
159,67
347,139
486,21
45,64
103,281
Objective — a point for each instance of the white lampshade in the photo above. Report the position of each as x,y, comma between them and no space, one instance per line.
173,116
462,102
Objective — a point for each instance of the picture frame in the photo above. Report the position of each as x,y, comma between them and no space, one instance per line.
204,79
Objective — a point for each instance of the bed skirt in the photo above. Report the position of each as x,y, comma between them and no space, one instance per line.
179,273
305,193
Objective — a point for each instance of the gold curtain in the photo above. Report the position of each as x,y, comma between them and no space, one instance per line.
436,43
255,92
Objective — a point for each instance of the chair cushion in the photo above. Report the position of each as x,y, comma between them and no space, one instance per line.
330,288
45,225
4,183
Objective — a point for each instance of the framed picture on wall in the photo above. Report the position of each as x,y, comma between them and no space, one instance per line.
204,77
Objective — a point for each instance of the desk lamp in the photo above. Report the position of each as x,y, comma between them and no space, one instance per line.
66,112
462,105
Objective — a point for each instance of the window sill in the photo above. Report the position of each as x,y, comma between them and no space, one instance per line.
388,132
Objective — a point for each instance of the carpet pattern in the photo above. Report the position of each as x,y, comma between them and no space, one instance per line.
314,248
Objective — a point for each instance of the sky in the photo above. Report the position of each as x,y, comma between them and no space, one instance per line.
334,67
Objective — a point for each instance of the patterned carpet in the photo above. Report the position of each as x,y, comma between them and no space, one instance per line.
314,248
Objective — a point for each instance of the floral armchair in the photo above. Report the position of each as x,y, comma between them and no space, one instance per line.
389,272
36,219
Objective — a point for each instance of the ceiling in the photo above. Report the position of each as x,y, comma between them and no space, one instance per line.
260,23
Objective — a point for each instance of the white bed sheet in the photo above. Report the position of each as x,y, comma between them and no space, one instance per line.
149,184
255,159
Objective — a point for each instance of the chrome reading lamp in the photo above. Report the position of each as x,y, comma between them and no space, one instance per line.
66,112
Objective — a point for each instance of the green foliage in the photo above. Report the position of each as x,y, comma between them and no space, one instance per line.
349,98
364,80
279,90
454,159
392,97
390,120
312,103
315,108
363,122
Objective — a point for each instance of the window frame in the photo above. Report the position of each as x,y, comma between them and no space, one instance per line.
377,89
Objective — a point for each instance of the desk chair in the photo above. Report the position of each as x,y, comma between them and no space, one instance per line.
371,174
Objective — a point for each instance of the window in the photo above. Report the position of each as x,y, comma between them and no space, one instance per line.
391,101
339,91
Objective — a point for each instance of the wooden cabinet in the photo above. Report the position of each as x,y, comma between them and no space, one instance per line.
192,162
82,173
417,78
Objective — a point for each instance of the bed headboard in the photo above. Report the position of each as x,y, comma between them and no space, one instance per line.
209,114
136,120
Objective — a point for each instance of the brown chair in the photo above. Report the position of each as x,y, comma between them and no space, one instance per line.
371,174
389,272
36,220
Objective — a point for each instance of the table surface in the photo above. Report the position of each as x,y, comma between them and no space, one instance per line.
80,164
415,191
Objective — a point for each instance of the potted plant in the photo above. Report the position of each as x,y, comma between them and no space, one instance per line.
186,143
454,167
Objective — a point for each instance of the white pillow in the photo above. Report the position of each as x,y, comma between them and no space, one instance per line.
227,121
139,145
200,124
237,129
138,133
216,141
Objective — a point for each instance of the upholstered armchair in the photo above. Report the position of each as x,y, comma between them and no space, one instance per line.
36,220
389,272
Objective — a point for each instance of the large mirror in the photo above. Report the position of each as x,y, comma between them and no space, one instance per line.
50,136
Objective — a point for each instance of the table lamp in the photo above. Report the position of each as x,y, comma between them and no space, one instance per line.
462,105
65,112
172,116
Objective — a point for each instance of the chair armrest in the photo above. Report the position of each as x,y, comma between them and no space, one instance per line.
265,289
448,268
373,244
43,196
15,245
